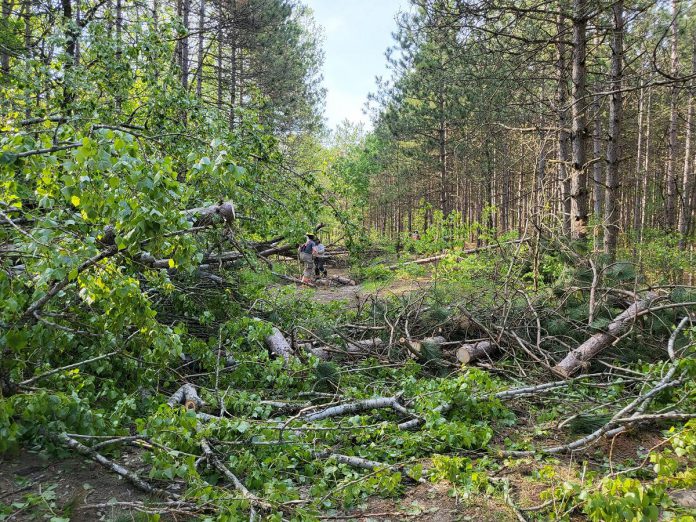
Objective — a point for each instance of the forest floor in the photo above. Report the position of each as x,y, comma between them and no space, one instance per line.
77,489
40,487
82,490
355,294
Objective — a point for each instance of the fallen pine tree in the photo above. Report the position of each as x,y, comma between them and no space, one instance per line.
580,356
439,257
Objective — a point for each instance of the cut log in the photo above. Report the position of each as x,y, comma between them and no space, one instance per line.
578,357
423,261
318,351
364,346
205,215
342,280
415,347
279,345
468,353
186,395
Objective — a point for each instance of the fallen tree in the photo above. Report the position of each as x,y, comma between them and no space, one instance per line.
580,356
470,352
279,345
432,259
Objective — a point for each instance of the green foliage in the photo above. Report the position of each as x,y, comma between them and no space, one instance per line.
623,500
465,474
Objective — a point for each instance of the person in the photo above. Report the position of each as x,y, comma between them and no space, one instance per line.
307,251
319,259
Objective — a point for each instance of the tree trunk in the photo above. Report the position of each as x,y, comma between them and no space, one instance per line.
688,174
186,10
468,353
581,355
612,211
70,50
639,159
219,60
442,142
4,54
201,42
415,347
670,201
578,136
278,345
597,167
646,166
563,135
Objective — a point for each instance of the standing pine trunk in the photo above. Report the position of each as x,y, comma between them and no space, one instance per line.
612,211
71,36
219,39
185,46
4,52
688,173
442,142
597,165
670,201
199,66
644,196
563,135
578,136
639,158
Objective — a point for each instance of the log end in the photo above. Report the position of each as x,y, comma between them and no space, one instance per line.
226,210
463,355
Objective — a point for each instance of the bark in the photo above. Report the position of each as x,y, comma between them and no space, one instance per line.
199,67
670,201
342,280
646,165
186,395
597,171
131,477
278,344
442,142
612,210
358,407
356,462
204,215
5,55
364,346
577,358
415,347
563,135
687,185
578,137
186,10
71,51
469,353
219,65
639,158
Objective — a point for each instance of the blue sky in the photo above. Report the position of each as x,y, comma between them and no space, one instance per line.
357,34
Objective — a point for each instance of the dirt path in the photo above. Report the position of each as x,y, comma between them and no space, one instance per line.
355,294
431,503
36,487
